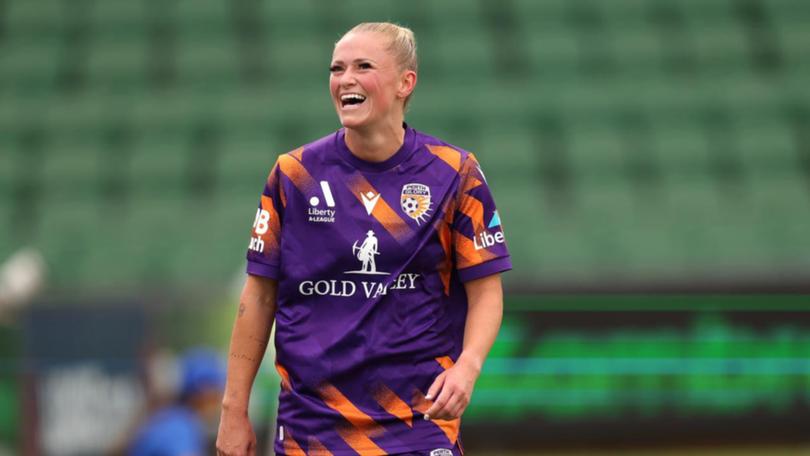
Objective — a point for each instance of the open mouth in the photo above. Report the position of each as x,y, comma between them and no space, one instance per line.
351,99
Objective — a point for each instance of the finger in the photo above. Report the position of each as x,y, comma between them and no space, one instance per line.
458,406
433,391
447,412
436,410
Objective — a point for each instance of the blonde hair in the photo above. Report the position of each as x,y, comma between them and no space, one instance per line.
402,44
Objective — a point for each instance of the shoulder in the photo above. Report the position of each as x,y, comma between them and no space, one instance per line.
321,147
457,157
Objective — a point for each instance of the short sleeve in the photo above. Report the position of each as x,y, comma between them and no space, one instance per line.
478,238
263,255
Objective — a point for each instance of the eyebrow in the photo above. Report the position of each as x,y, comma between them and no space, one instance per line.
340,62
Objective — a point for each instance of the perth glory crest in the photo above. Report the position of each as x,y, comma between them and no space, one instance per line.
415,199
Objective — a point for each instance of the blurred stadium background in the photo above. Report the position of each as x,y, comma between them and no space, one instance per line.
650,158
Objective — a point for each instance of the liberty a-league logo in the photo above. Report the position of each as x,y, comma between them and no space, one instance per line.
415,199
366,252
317,214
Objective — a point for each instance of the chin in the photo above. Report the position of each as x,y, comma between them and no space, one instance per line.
353,121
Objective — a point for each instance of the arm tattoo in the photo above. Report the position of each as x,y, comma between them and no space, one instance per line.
241,309
243,356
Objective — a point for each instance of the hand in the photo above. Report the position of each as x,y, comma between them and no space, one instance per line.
235,436
454,388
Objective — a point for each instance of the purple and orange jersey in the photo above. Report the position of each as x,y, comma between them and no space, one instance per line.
370,260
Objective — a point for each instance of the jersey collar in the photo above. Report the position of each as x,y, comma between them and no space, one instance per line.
401,155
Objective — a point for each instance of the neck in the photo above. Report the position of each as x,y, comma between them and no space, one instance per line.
378,143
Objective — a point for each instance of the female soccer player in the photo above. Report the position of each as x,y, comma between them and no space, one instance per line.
378,252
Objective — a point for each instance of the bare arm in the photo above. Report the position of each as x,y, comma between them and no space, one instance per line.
251,333
484,314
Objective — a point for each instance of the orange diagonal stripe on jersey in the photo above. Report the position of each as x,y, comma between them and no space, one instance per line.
285,377
392,404
270,237
316,448
445,361
299,175
472,208
467,255
387,217
449,155
273,183
359,441
419,403
337,401
449,427
298,154
470,184
446,265
390,220
283,195
291,447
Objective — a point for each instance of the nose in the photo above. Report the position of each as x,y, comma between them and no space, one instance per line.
347,78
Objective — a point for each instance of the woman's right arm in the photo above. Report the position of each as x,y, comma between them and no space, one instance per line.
251,333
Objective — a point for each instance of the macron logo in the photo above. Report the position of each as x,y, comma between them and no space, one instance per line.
370,200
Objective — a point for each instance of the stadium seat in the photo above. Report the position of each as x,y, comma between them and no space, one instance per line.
631,139
73,167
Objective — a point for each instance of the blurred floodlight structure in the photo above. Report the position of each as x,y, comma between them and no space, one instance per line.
21,277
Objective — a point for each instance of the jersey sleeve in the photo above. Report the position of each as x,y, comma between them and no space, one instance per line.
263,255
478,237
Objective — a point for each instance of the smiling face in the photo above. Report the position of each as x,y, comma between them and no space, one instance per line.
368,86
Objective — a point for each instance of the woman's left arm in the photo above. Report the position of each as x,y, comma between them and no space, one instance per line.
455,385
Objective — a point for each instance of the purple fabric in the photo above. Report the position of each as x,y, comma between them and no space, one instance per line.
261,269
485,269
371,260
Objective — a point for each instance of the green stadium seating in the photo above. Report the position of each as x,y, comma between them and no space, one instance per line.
29,17
73,167
633,140
160,164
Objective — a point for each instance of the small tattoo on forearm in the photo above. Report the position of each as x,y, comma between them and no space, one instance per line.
241,309
243,356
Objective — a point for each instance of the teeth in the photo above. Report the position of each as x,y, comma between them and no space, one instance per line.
352,96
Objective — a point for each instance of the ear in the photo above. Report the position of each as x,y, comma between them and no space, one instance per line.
406,84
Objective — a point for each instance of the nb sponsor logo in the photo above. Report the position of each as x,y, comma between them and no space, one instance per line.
256,244
260,226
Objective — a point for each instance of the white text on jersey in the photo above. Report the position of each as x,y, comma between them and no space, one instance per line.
485,240
348,288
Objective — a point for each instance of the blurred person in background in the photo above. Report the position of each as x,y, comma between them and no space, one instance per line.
183,428
378,252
